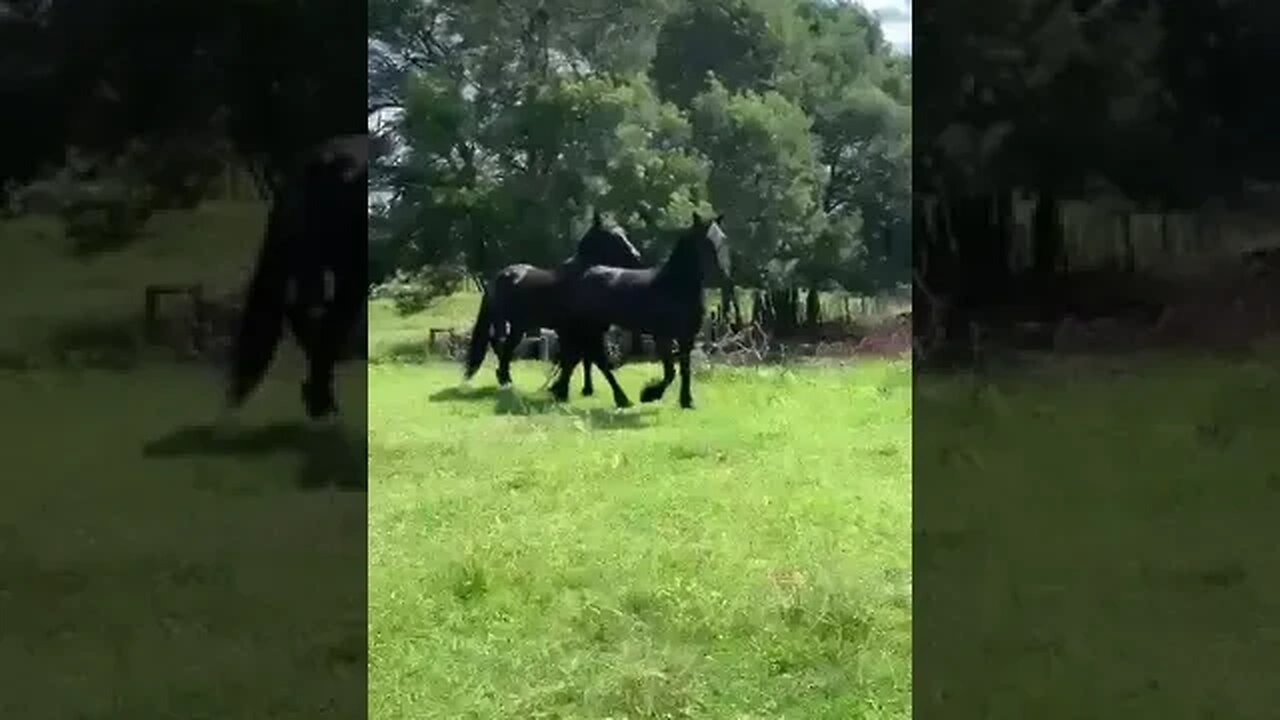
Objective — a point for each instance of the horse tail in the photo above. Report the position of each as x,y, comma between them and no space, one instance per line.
480,334
262,317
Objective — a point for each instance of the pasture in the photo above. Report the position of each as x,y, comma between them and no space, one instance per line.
750,558
149,568
1086,517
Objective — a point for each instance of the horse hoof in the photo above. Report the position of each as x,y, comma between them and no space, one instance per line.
588,392
686,404
622,403
650,394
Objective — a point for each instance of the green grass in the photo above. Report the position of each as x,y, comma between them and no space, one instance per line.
215,245
394,335
150,569
748,559
1109,530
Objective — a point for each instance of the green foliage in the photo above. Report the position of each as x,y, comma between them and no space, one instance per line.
517,119
412,292
731,40
626,151
767,164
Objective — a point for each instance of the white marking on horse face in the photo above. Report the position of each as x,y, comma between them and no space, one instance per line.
618,233
717,238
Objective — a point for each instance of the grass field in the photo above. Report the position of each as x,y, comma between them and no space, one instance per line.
1107,528
748,559
149,568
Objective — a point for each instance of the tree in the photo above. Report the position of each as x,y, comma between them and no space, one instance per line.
514,117
245,71
730,39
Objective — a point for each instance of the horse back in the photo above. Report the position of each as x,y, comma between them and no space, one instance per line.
633,299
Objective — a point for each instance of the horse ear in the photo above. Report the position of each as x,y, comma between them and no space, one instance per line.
596,220
720,219
697,219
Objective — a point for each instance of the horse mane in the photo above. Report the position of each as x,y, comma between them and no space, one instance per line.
615,232
621,234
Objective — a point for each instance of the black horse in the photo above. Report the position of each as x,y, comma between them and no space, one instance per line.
310,272
666,302
522,297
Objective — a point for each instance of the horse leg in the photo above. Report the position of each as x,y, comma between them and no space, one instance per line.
316,389
313,336
505,353
657,388
333,333
600,356
328,334
570,353
587,388
686,395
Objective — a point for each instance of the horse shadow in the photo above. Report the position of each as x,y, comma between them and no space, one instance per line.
509,401
329,456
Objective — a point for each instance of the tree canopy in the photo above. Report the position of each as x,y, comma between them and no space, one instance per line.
1154,100
514,119
269,78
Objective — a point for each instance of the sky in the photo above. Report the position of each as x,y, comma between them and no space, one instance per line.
895,19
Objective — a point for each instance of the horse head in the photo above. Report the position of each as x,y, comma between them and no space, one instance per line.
711,245
603,245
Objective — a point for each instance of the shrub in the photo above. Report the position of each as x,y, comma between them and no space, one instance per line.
105,216
413,292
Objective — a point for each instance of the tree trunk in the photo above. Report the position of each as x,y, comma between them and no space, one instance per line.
784,304
782,311
1047,234
1166,247
726,304
1001,270
812,308
1130,258
1047,257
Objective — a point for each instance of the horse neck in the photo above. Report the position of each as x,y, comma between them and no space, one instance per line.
682,273
597,253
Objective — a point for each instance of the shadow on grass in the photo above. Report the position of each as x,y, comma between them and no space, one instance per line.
461,393
330,457
509,401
